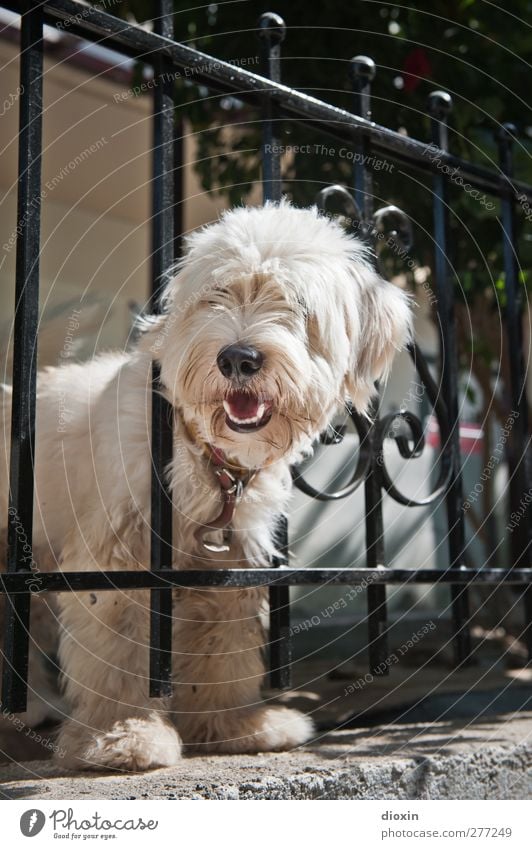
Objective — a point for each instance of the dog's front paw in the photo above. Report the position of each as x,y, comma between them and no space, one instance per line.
276,728
262,729
135,744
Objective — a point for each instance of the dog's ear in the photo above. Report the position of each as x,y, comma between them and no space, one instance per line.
384,327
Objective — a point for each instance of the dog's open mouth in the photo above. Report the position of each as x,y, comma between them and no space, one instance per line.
245,413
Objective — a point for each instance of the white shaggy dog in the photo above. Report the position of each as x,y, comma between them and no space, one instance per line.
274,318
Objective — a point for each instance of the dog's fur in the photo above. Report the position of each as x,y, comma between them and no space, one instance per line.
292,284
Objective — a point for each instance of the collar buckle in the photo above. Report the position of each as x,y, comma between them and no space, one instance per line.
232,490
230,484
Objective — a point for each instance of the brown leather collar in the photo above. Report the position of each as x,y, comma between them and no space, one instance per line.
232,480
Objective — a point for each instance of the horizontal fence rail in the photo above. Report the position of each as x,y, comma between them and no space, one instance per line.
86,581
278,103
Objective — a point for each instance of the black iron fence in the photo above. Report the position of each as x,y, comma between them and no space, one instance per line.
357,131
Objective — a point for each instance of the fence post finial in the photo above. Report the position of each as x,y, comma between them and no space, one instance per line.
505,136
440,105
272,28
362,68
362,72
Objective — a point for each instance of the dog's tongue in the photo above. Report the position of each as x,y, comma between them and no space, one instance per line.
243,406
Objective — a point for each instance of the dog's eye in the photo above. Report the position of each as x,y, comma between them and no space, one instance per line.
216,297
218,294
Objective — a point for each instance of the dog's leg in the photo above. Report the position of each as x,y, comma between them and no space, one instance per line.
104,652
217,705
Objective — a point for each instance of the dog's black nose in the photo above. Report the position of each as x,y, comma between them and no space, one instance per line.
239,362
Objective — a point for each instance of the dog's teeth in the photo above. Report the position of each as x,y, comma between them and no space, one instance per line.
253,420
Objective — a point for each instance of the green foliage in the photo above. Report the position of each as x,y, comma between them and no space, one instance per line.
476,51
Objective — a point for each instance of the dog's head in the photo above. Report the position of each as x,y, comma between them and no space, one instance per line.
275,317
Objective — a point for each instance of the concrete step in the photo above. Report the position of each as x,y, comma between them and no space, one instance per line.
456,759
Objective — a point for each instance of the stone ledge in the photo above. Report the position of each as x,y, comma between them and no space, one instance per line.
444,760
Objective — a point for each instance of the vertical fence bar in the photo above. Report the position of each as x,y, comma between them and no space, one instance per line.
20,516
362,73
440,105
163,236
280,639
272,31
519,439
179,186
